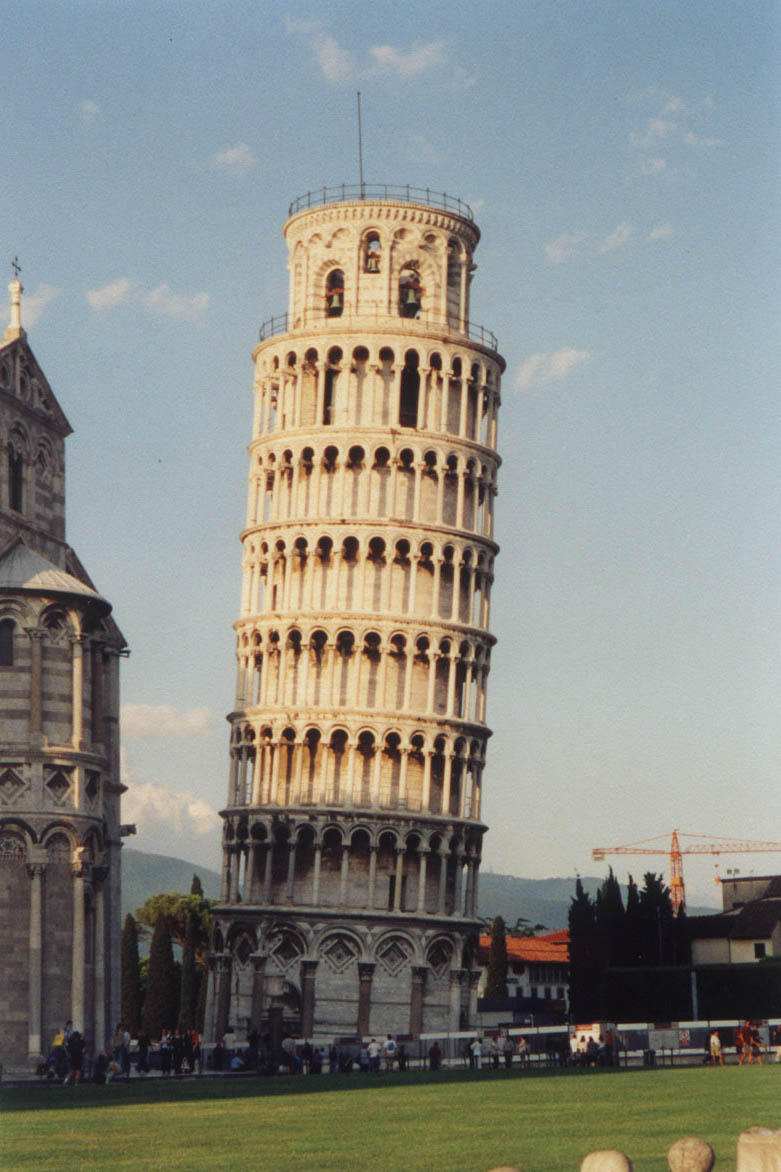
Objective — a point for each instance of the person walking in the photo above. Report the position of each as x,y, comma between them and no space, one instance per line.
476,1053
716,1055
75,1048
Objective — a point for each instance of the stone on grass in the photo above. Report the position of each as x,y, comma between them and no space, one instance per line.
759,1150
691,1155
607,1160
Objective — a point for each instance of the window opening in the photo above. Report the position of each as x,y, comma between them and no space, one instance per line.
410,293
7,643
334,293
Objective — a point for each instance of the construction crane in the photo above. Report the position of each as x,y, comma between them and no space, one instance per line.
703,845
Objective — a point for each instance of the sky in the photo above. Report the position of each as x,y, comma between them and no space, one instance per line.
622,163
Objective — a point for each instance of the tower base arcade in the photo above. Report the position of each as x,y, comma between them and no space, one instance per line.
348,925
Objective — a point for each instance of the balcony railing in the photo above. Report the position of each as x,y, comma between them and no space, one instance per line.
373,316
342,193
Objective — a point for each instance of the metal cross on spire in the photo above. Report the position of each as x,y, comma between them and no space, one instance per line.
16,266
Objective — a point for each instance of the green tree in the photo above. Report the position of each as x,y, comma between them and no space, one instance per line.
496,977
657,921
610,921
523,928
161,1003
584,960
196,887
130,976
175,908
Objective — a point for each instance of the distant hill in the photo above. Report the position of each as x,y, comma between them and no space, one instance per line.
540,901
144,875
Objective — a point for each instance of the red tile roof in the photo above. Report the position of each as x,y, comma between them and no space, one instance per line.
550,949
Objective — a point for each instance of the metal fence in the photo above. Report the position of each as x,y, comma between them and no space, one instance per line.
404,193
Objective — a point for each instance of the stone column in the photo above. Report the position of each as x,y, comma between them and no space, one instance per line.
416,999
99,876
474,979
77,689
79,941
258,983
96,656
399,879
423,855
345,863
457,897
36,866
222,995
308,970
442,882
365,977
316,881
35,719
372,874
456,984
426,802
266,896
291,870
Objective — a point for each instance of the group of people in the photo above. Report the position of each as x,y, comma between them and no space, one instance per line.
180,1052
494,1050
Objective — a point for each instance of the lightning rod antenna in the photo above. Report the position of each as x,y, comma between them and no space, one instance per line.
360,145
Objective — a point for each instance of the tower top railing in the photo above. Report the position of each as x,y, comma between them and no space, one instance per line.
317,317
349,193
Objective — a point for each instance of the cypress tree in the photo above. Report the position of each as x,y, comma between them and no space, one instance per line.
188,994
496,977
584,967
196,887
610,917
162,994
130,976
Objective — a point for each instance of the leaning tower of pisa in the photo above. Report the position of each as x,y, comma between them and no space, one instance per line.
352,831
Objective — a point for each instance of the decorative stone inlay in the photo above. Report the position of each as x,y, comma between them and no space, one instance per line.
339,954
58,784
439,958
11,785
393,957
286,952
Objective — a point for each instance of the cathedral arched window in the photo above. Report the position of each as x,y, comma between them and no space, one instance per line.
372,253
15,478
410,389
410,293
7,643
334,293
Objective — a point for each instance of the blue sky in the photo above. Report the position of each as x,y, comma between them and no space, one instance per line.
622,161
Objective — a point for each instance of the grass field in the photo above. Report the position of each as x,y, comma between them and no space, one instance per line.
453,1122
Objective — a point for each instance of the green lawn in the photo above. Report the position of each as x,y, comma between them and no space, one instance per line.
452,1122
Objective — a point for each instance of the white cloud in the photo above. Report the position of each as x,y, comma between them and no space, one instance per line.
34,304
236,160
338,64
661,232
421,58
115,293
539,369
653,166
142,721
701,142
621,234
89,112
162,815
566,246
164,301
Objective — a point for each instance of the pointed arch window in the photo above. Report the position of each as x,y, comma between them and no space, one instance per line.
334,293
15,479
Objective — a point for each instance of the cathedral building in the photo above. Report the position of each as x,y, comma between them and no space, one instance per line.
59,745
352,831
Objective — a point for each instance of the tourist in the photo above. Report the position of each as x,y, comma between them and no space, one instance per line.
75,1048
165,1052
316,1061
389,1052
523,1051
142,1061
434,1056
402,1057
306,1057
716,1056
476,1052
374,1055
743,1043
507,1049
363,1059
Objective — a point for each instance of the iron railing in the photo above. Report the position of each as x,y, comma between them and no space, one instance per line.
283,324
341,193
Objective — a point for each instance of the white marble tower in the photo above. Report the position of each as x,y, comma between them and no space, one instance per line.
352,830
